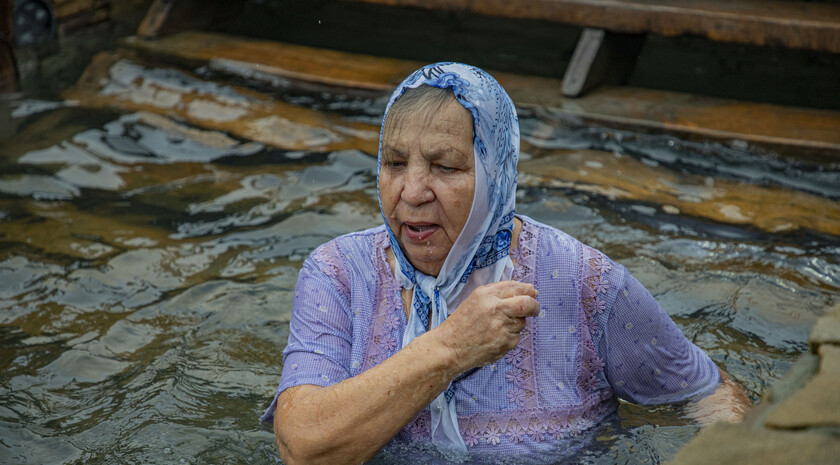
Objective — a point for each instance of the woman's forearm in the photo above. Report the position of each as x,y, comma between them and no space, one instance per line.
351,421
728,403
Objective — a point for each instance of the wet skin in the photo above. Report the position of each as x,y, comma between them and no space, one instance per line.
427,183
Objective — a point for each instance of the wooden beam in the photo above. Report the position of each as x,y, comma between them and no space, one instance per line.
9,76
601,57
792,24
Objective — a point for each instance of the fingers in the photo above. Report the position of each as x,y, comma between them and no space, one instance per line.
516,325
505,289
520,306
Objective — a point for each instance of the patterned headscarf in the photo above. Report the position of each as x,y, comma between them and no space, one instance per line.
480,253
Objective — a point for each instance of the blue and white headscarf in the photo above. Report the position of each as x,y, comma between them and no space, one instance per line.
480,254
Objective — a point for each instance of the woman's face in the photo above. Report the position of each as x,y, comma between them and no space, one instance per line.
427,182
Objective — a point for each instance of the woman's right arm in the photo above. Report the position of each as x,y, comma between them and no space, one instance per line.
349,422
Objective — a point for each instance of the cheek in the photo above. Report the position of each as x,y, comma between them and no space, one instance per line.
387,194
461,201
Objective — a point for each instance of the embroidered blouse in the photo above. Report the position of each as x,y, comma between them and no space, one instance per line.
600,335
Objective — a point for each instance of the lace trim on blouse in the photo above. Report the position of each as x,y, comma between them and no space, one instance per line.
593,293
389,316
328,256
537,425
520,360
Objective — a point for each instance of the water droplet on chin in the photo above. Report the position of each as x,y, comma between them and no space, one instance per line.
428,242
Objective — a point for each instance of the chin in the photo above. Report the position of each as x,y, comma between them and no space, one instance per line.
427,264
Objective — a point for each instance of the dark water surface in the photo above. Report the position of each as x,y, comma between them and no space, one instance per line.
147,263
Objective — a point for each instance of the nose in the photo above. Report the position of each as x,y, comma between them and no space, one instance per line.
417,190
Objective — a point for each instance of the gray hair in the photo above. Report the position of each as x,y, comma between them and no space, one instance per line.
424,100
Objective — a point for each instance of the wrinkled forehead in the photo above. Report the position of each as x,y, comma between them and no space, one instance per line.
427,109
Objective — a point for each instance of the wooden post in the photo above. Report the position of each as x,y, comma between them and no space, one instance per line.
9,76
601,57
154,19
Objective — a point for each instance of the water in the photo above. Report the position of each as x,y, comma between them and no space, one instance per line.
147,262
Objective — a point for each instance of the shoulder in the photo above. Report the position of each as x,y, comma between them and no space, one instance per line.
548,237
556,245
348,253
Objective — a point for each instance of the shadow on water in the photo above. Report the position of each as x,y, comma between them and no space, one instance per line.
147,265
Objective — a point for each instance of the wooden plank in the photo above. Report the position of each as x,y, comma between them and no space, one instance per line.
793,24
287,61
789,127
601,57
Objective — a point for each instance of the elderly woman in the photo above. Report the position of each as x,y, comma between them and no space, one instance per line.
459,323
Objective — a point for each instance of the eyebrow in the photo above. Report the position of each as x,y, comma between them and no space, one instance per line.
437,154
390,150
460,157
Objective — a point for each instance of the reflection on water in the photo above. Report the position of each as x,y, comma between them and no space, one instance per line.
147,262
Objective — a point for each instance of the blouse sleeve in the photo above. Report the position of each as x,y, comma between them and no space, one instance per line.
320,332
649,360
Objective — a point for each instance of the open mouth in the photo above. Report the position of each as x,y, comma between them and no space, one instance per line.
420,231
420,227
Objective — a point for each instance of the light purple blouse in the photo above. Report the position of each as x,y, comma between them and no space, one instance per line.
599,335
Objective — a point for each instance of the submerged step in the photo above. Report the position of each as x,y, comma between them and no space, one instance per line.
113,79
772,209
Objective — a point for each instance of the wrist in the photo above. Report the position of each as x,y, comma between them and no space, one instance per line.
438,348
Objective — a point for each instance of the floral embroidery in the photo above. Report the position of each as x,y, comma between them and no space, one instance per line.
493,434
514,357
589,383
595,286
593,365
515,376
386,321
388,343
542,424
390,322
471,435
601,264
522,255
520,362
517,396
516,432
418,428
329,258
555,428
